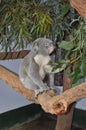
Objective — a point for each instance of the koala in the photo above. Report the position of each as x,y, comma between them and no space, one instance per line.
35,65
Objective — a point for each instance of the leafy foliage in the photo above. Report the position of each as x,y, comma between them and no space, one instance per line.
58,12
76,52
22,21
68,24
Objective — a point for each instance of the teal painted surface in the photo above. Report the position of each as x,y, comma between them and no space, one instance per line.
33,111
79,118
18,116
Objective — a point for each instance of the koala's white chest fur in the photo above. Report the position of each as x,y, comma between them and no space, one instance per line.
42,61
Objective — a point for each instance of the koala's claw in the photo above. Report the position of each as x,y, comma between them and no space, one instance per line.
41,90
37,92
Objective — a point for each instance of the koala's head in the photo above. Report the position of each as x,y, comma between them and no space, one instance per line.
43,46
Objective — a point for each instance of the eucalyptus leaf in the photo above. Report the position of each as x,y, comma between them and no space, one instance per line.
28,20
84,66
65,9
66,45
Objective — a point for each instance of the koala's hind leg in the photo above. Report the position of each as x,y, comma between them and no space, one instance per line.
30,85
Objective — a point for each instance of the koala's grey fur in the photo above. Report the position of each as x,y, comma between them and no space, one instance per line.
35,65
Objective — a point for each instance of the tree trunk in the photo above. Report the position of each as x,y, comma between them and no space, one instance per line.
80,6
64,121
13,55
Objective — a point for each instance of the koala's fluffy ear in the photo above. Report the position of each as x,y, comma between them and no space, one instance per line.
35,47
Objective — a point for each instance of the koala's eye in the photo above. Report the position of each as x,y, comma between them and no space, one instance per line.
46,45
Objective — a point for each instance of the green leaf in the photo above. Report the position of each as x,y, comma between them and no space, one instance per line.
66,45
65,9
77,74
84,66
76,83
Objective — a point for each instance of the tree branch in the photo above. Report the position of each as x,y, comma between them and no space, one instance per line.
67,118
13,55
48,100
80,6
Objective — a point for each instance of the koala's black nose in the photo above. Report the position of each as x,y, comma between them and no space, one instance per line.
54,46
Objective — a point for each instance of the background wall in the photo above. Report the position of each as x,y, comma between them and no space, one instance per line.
9,98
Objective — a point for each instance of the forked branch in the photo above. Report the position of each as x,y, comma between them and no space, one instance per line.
50,102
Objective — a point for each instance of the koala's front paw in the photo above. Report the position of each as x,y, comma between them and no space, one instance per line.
51,88
38,91
41,90
45,88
